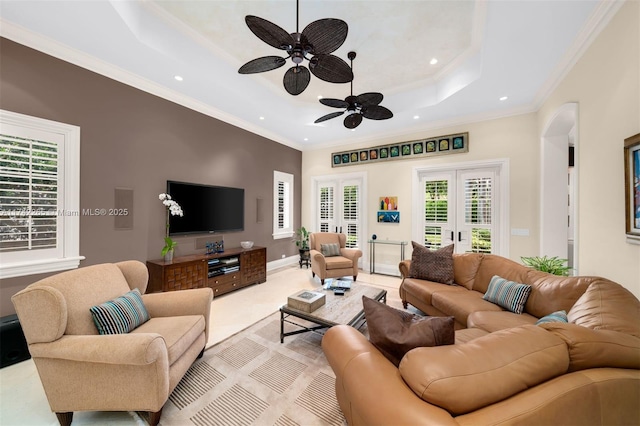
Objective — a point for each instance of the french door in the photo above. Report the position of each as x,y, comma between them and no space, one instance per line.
460,207
339,204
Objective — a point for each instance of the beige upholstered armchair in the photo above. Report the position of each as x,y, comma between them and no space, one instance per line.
340,263
82,370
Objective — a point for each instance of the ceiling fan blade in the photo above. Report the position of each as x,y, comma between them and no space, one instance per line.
377,112
329,116
352,121
330,68
326,35
334,103
296,79
263,64
370,99
269,32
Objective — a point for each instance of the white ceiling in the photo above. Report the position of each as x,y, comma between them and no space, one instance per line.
485,50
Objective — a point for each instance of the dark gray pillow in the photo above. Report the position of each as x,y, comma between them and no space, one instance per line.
432,265
394,332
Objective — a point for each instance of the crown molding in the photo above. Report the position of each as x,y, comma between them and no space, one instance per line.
598,20
65,53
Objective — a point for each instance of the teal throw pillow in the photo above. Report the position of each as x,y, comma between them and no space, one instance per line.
558,316
120,315
507,294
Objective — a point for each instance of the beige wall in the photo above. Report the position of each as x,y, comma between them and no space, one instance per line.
605,83
131,139
513,138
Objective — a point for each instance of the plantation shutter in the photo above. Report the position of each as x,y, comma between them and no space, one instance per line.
351,214
478,212
326,212
282,205
29,194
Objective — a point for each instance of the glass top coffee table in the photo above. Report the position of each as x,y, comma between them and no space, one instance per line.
346,309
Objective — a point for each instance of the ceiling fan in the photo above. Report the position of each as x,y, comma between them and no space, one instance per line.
314,43
366,105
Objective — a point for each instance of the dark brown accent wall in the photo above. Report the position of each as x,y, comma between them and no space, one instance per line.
132,139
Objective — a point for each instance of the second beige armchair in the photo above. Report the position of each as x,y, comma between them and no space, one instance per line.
332,263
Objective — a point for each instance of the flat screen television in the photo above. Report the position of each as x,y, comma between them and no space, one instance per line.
206,208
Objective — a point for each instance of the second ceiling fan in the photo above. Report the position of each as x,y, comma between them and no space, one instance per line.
366,105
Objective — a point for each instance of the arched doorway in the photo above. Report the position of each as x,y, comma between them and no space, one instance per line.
558,173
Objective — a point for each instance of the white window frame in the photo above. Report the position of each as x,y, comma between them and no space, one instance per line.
286,230
21,263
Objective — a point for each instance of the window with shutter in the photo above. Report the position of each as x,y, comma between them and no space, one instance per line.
39,195
283,205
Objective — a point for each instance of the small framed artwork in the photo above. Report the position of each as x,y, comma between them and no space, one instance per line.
388,216
431,146
384,152
364,155
632,187
443,145
394,151
337,159
373,154
458,142
345,158
417,148
354,157
406,149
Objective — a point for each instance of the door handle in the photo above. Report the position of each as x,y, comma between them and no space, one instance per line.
452,236
459,236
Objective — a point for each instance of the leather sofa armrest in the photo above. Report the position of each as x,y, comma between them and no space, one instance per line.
118,349
318,257
405,267
370,388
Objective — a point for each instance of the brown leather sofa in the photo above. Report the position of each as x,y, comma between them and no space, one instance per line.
503,369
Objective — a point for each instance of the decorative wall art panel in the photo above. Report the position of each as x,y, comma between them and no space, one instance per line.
440,145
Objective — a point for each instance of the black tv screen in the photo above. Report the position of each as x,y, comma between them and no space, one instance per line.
206,208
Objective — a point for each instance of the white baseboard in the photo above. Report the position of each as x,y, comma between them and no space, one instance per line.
281,263
387,270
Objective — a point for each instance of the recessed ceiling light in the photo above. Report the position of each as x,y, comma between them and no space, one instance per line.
306,139
178,77
504,98
415,117
320,96
261,118
433,61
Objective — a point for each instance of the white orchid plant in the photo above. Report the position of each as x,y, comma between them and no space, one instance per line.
173,209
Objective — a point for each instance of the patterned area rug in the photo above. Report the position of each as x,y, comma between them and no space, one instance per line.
253,379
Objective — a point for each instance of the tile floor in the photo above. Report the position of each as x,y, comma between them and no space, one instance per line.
22,399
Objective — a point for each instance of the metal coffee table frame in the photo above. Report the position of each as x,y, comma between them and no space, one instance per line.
321,323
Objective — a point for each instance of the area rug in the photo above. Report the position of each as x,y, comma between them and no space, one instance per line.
253,379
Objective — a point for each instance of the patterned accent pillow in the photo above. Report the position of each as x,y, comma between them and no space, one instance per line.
558,316
120,315
329,250
507,294
432,265
394,332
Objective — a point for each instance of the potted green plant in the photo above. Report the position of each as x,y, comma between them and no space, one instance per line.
302,242
173,209
553,265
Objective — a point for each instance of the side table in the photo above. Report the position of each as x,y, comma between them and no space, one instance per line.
372,251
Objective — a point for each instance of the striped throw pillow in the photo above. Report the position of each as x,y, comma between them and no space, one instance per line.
120,315
507,294
558,316
329,250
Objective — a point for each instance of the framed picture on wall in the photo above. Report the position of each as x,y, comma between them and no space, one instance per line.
632,187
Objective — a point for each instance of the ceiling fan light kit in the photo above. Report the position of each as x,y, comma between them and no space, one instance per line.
314,44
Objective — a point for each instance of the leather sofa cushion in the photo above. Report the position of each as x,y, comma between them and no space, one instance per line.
551,293
496,265
465,268
461,304
394,332
607,306
494,321
597,348
424,290
179,333
338,262
501,364
468,334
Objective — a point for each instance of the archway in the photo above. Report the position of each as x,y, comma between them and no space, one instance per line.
558,198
